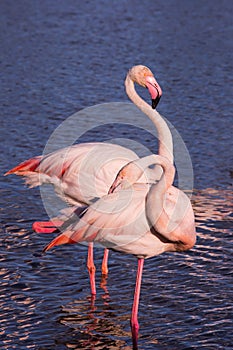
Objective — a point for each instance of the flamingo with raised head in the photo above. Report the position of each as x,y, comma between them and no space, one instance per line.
139,219
63,168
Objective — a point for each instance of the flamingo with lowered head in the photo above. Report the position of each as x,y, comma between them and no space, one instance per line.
138,219
63,168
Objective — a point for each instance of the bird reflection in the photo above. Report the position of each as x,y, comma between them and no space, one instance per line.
103,285
90,317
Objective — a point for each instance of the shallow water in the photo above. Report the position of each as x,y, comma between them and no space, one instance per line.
59,59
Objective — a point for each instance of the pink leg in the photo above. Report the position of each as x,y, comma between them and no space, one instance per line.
91,268
105,262
103,283
46,226
134,316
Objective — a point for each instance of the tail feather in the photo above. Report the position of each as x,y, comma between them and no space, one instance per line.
67,237
61,239
47,226
28,165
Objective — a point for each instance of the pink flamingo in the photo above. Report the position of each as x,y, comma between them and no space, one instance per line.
64,168
138,219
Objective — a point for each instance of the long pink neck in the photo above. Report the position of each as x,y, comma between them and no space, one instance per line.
156,197
164,134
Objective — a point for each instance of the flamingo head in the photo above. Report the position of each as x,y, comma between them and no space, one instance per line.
144,77
126,177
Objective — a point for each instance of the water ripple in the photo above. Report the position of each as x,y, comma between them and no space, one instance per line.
180,292
57,60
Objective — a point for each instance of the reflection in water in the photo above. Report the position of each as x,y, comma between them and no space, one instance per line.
213,206
89,321
214,218
90,317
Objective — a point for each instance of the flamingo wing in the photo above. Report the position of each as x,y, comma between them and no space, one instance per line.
80,173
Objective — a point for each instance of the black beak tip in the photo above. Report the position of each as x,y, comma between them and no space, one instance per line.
154,102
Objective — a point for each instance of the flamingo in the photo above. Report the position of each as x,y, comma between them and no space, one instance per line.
64,168
138,219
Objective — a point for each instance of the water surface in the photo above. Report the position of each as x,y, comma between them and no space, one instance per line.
59,58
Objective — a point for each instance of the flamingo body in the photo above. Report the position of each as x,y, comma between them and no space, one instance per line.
143,220
128,230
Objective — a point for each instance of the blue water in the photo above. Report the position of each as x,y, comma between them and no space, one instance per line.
60,57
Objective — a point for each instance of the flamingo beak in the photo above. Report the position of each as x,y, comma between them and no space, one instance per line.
155,101
115,185
154,90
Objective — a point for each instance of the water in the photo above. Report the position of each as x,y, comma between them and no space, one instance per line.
59,58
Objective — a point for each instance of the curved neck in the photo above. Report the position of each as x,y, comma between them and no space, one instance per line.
157,195
164,134
132,172
168,171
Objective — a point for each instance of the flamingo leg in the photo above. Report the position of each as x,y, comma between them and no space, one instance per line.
134,316
105,262
91,267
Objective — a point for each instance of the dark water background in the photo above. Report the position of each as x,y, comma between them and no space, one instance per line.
58,57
